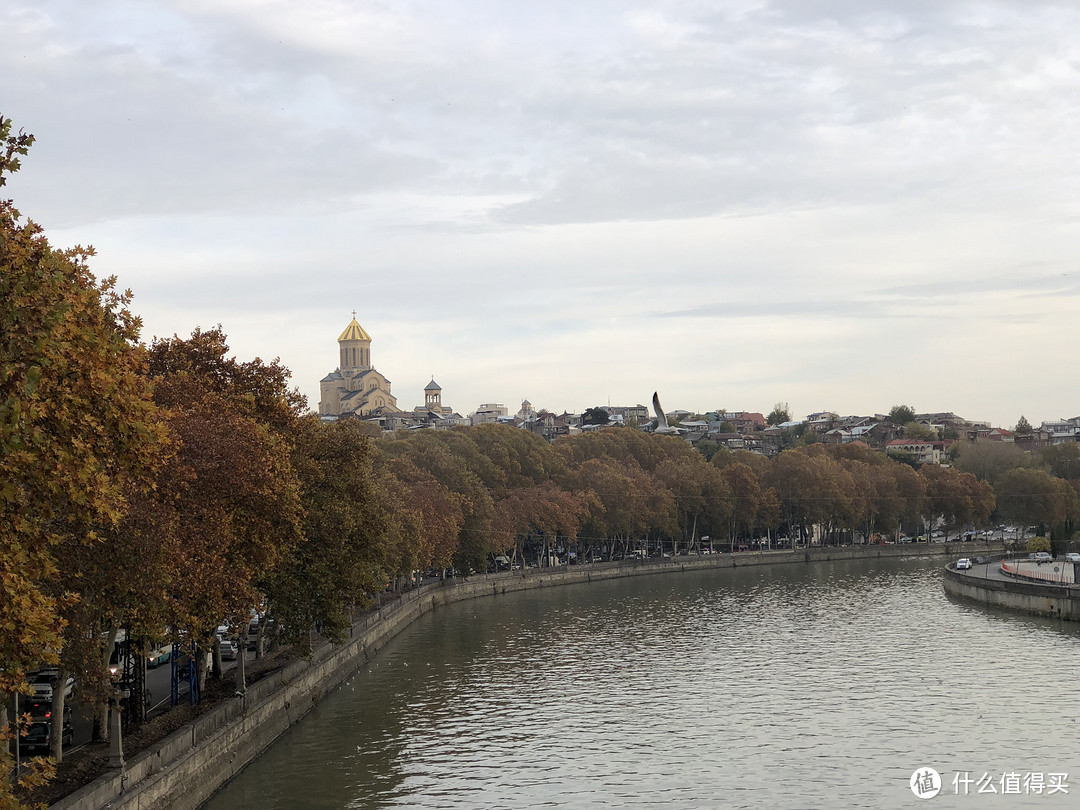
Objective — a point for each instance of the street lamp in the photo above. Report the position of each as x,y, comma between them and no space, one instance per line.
116,749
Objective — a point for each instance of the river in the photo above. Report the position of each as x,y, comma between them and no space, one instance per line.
815,685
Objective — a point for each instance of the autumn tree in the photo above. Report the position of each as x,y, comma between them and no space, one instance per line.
987,460
957,497
341,560
755,461
523,458
813,489
703,500
1031,497
636,447
1063,460
545,511
911,487
747,499
707,448
78,434
629,501
423,517
231,493
453,459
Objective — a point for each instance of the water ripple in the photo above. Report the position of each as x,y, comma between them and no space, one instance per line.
789,686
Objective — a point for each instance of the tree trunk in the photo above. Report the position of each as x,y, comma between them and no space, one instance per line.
100,730
59,698
200,661
4,714
216,665
241,659
269,637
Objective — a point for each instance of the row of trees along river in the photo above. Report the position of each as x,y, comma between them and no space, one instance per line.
173,486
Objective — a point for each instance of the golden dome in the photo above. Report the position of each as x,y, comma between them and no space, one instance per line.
354,331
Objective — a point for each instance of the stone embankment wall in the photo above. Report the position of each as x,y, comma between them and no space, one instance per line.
183,770
1055,601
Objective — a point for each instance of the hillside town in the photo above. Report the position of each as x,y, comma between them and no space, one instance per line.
356,390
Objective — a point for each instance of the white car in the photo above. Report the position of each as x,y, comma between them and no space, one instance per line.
963,564
41,684
1073,557
229,648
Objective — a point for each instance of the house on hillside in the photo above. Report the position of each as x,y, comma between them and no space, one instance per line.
922,451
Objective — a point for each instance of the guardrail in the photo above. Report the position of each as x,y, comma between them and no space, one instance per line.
1008,567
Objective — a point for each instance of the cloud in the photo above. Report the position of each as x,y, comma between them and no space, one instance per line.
798,199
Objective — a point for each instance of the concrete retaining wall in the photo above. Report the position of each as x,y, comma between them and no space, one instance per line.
187,767
1055,601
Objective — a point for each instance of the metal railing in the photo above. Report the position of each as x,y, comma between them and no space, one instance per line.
1013,569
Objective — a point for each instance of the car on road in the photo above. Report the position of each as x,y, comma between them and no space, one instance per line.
40,731
1041,557
42,685
963,564
229,648
159,655
1073,557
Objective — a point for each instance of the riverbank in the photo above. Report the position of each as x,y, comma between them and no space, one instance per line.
184,769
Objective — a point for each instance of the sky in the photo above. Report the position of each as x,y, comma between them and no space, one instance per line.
844,205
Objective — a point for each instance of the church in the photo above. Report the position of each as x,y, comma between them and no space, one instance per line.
355,388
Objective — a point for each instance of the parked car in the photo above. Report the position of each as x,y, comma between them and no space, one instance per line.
229,648
963,564
1073,557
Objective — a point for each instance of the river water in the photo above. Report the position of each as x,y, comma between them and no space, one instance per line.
816,685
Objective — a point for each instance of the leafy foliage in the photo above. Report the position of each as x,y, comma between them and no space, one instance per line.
901,414
988,461
595,416
917,430
779,414
78,431
1037,544
341,561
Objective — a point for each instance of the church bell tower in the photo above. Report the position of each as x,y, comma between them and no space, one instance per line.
355,347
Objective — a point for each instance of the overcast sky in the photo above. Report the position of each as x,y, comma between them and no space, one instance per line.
841,204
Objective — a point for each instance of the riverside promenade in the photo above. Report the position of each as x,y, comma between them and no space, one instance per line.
1041,589
184,769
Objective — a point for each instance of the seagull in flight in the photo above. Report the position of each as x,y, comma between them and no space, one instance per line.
661,419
